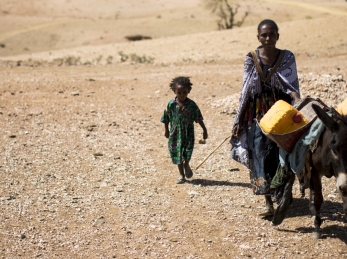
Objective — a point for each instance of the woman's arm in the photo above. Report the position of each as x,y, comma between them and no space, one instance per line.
249,71
295,96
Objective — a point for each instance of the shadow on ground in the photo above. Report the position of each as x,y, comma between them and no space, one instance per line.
204,182
330,211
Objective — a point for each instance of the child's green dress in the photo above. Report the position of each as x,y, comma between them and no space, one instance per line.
181,138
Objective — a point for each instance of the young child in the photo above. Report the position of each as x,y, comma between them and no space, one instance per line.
180,113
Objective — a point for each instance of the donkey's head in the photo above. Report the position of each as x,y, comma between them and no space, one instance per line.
335,147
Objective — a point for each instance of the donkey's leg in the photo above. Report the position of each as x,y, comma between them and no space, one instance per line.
341,186
344,200
316,201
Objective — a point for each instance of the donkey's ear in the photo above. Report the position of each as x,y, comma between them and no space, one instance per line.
324,117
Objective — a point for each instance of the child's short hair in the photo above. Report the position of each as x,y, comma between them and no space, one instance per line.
183,81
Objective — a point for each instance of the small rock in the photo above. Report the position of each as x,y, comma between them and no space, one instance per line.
75,93
193,193
91,127
109,165
8,198
331,196
103,184
100,221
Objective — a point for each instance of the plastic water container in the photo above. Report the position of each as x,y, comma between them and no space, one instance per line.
342,107
282,118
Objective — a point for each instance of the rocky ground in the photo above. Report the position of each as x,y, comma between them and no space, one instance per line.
85,171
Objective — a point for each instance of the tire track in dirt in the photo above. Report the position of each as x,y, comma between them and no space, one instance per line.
314,7
10,34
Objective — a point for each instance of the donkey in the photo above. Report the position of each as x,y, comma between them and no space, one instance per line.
328,159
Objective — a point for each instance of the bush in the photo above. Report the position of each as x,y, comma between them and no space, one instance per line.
135,58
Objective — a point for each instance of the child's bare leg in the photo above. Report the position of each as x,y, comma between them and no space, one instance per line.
188,171
181,170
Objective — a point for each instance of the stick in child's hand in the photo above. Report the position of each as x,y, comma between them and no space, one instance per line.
212,152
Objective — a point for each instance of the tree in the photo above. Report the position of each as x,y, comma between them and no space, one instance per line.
226,13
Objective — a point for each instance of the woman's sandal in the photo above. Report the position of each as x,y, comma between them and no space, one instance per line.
181,180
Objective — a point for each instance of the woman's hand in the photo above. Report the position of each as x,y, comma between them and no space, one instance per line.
236,130
295,96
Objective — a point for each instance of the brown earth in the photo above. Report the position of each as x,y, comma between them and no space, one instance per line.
85,172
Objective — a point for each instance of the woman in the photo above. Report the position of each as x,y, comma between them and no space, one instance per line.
269,75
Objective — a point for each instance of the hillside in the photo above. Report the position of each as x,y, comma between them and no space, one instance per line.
85,171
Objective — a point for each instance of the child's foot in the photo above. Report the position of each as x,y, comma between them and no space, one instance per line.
181,180
188,171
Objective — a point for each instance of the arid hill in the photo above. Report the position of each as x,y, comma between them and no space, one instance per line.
85,171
